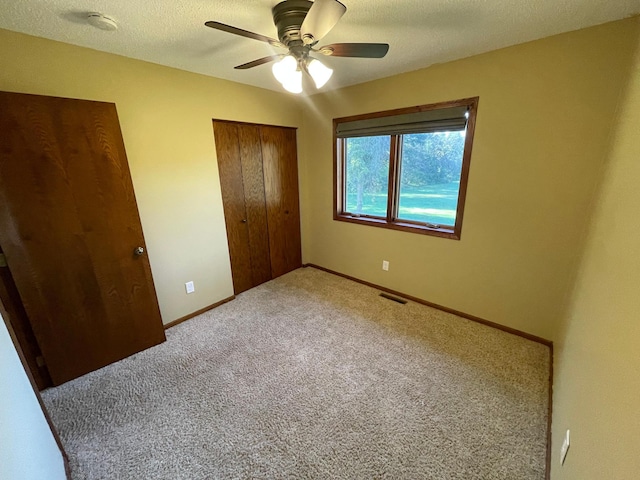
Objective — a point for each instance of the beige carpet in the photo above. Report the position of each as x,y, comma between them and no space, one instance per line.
313,376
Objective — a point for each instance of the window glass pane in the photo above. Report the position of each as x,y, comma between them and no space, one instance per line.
367,175
430,176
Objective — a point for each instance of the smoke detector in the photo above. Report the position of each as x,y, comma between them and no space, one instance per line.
101,21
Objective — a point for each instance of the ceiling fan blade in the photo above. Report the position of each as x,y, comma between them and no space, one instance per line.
260,61
243,33
362,50
321,18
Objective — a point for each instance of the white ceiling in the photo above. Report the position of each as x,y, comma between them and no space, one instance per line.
420,33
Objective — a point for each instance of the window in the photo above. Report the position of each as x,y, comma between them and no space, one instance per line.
405,169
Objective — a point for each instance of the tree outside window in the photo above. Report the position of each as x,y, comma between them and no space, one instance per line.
413,177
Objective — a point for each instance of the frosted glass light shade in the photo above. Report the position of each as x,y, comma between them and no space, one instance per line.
319,72
293,83
285,69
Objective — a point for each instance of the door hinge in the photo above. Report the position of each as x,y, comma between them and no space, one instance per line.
40,361
3,260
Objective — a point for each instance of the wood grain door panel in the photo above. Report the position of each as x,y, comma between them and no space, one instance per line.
69,224
259,182
17,317
280,164
253,183
235,212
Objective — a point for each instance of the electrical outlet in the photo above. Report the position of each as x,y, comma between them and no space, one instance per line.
385,265
190,287
565,448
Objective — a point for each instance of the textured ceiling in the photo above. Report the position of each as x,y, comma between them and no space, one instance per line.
420,33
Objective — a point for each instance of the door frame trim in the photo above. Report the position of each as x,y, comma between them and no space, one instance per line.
237,122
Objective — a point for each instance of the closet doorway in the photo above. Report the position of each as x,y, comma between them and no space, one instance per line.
258,168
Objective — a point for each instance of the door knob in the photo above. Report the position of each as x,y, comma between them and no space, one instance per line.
138,251
244,220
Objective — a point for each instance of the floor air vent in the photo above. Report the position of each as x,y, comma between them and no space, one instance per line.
395,299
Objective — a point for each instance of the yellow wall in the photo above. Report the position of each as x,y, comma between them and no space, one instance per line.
597,379
544,120
165,115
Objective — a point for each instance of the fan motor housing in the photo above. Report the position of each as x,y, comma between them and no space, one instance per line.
288,17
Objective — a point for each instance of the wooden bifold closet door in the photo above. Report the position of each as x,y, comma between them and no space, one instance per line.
259,182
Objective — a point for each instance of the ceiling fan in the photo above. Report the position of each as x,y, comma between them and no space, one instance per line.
301,24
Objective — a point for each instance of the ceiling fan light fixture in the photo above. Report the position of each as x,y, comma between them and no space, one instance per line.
319,72
301,24
287,73
285,68
293,84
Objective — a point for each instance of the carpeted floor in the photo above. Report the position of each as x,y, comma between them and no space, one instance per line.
313,376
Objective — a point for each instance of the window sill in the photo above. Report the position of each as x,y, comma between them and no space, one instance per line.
443,232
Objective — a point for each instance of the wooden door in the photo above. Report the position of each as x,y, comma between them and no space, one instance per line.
242,185
21,326
280,163
69,225
235,213
255,204
259,181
